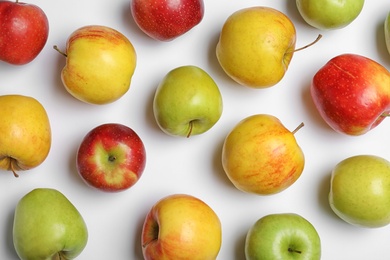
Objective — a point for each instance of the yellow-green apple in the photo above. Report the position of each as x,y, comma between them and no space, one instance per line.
100,63
359,191
48,226
166,20
181,226
329,14
187,102
256,45
352,93
23,32
111,157
261,156
25,133
387,32
284,236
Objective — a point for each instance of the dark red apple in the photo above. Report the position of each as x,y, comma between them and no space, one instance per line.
352,93
165,20
111,157
24,29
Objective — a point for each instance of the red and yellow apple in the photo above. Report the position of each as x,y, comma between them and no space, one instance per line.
111,157
181,226
352,93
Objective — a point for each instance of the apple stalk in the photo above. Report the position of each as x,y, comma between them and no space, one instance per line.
310,44
298,127
294,250
11,166
57,49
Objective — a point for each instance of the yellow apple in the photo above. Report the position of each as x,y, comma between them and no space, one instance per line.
181,226
100,62
261,156
25,133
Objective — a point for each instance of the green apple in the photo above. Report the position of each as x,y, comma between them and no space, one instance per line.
359,192
187,102
387,32
329,14
286,236
47,226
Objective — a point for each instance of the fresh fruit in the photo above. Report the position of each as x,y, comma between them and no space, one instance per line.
23,32
261,156
181,226
25,133
284,236
48,226
187,102
329,14
387,32
352,94
256,45
100,62
111,157
359,192
166,20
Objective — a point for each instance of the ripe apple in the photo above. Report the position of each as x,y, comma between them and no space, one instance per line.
187,102
100,62
261,156
25,133
282,236
181,226
329,14
352,94
48,226
166,20
23,32
359,192
111,157
387,32
256,45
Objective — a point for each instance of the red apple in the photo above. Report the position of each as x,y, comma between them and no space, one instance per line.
24,29
165,20
352,93
111,157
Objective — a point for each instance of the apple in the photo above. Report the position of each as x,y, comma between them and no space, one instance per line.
329,14
256,45
387,32
359,192
187,102
166,20
284,236
181,226
351,93
23,32
111,157
100,63
261,156
25,133
48,226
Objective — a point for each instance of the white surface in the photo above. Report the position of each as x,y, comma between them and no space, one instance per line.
192,166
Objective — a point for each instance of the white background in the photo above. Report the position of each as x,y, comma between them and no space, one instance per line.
193,166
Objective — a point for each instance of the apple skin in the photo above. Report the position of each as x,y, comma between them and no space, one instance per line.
359,192
256,45
329,14
286,236
260,156
48,226
187,102
25,133
23,32
387,32
351,93
100,63
181,226
111,157
166,20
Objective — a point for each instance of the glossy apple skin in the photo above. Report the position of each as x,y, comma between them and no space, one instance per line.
352,93
165,20
23,32
111,157
181,226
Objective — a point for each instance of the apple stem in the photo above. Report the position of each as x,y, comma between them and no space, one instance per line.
298,127
310,44
57,49
190,131
13,169
385,114
294,251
